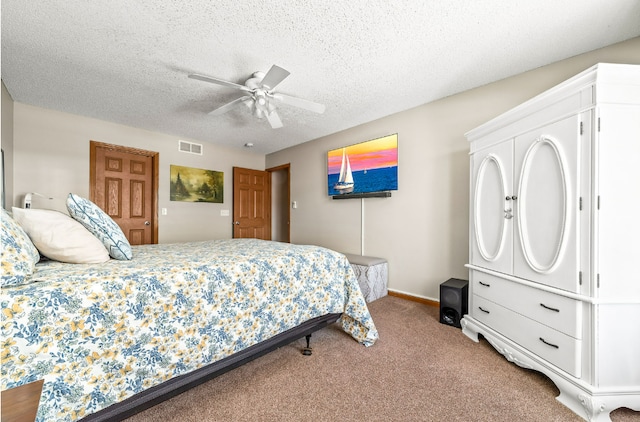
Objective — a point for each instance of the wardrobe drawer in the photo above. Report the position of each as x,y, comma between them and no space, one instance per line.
558,312
553,346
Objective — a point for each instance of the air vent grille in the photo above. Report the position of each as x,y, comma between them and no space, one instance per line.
196,149
190,147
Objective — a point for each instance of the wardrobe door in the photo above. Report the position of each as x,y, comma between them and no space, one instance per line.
547,185
491,208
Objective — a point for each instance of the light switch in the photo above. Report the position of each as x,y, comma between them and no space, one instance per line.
164,211
294,204
224,213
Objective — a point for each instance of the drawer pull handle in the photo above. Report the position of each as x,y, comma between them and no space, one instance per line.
549,308
483,310
549,344
484,284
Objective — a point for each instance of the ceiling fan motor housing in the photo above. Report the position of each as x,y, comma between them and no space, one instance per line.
254,81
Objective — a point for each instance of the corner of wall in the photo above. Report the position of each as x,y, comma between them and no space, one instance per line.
6,126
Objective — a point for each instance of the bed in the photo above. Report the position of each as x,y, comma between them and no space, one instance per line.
113,338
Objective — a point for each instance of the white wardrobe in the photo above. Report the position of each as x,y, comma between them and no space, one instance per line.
555,238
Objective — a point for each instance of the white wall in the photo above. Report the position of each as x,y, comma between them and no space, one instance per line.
422,230
7,143
51,156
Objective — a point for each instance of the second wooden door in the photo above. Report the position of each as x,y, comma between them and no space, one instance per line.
251,204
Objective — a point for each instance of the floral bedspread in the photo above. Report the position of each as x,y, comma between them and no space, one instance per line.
97,334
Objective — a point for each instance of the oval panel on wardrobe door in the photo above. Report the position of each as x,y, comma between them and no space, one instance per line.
489,208
542,206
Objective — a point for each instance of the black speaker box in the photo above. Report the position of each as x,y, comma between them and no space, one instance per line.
454,301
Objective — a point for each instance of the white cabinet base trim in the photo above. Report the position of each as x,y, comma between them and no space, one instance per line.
581,398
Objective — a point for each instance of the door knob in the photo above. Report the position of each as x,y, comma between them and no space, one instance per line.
147,223
237,223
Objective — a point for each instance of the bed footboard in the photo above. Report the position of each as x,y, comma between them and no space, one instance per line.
173,387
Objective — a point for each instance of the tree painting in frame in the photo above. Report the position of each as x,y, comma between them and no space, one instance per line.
190,184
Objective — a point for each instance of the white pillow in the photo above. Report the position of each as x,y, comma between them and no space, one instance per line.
59,237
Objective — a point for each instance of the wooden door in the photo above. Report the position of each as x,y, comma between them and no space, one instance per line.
124,184
492,208
251,204
547,216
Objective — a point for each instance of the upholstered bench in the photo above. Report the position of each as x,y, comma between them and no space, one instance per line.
372,274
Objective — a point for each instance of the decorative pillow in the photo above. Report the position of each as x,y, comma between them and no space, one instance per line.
100,225
19,256
58,236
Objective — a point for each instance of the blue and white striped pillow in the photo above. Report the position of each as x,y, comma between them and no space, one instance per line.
100,225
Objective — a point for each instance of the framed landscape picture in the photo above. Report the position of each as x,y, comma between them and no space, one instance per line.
190,184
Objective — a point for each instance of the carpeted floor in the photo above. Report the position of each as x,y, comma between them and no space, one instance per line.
419,370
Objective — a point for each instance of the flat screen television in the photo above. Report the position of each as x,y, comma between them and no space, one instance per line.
366,167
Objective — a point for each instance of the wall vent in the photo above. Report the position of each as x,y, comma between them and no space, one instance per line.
190,147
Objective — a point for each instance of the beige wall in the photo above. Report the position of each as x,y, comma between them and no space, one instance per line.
51,156
7,143
279,206
422,230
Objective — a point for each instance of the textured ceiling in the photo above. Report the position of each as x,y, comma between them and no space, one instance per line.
127,61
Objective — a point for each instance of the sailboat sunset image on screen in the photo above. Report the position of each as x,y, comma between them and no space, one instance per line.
345,177
366,167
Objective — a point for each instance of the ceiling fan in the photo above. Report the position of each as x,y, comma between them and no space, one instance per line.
260,95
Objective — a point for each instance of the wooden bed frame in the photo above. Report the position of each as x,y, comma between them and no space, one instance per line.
173,387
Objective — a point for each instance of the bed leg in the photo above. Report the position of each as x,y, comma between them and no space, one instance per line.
307,350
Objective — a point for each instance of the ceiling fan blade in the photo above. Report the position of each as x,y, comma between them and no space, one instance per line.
299,102
228,106
274,76
219,82
274,120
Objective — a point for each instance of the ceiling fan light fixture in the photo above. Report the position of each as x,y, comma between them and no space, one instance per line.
261,98
260,95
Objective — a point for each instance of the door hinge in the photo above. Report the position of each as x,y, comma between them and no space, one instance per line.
598,124
598,201
581,128
598,280
580,204
580,277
